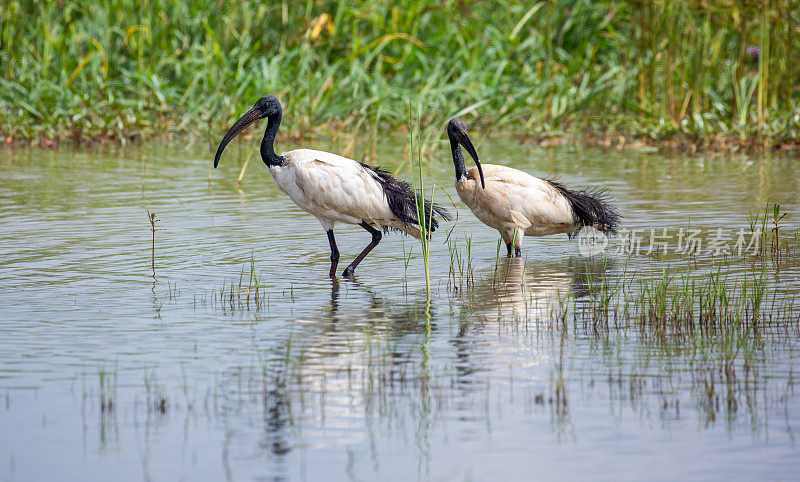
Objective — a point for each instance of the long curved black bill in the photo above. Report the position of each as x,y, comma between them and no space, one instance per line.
471,150
245,120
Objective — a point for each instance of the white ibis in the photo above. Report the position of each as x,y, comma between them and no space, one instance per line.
518,204
334,188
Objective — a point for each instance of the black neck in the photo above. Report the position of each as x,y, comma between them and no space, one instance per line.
458,159
268,142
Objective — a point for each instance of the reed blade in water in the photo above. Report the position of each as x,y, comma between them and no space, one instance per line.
419,196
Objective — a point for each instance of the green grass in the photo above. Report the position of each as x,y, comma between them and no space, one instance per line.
727,303
419,197
462,270
608,71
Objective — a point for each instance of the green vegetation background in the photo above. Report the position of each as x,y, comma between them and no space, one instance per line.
708,73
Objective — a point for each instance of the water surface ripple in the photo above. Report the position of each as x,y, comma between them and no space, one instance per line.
107,371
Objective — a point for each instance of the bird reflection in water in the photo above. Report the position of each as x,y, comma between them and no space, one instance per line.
522,291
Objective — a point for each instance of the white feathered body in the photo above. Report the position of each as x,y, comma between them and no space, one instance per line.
336,189
516,203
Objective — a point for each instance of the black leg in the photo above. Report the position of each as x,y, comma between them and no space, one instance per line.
334,297
508,248
517,252
376,238
334,253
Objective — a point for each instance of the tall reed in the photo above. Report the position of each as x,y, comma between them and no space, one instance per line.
419,193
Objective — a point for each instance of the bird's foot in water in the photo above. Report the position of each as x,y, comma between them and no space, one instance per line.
348,272
334,263
517,252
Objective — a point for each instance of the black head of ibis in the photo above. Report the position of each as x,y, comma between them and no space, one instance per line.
266,107
457,132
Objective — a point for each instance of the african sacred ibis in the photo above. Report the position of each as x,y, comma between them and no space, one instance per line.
334,188
518,204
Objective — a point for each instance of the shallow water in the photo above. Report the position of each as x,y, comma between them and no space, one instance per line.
107,371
